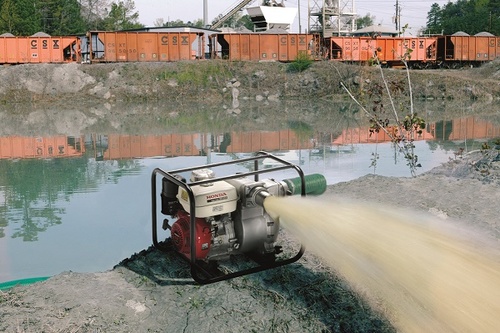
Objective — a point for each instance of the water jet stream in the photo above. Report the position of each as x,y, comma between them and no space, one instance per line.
427,275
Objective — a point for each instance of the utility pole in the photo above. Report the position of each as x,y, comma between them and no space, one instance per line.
398,17
300,26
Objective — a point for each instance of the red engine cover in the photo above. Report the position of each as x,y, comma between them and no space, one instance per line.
181,236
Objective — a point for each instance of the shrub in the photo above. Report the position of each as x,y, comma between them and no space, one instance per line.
302,62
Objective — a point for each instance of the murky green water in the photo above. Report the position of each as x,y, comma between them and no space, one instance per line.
82,202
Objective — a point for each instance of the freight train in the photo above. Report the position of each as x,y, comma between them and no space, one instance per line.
448,51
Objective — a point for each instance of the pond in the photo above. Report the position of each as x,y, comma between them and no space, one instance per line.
82,203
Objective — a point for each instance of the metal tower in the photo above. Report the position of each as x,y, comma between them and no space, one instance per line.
331,17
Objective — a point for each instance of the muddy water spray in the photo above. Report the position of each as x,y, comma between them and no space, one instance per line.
427,276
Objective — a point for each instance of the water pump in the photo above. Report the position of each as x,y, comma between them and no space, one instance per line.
215,218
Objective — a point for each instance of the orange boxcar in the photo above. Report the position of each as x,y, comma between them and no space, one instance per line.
476,48
392,50
22,50
260,46
468,49
389,50
142,46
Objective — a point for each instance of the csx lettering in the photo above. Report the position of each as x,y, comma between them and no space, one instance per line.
292,40
174,40
164,40
421,45
283,40
44,43
184,40
302,40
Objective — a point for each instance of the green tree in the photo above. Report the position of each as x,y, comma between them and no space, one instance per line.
470,16
434,20
122,16
365,21
8,16
19,17
494,17
59,17
245,21
197,23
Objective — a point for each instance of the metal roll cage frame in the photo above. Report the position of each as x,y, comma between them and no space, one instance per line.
196,269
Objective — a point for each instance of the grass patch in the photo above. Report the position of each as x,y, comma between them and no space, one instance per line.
302,62
203,74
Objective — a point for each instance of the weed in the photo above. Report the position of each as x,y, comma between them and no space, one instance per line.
401,131
195,302
302,62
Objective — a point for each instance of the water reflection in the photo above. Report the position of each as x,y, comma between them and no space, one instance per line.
40,172
40,147
96,186
33,190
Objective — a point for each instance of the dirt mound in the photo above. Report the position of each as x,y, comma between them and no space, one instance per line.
153,292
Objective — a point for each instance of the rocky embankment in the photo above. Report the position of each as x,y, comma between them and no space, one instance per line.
71,99
217,81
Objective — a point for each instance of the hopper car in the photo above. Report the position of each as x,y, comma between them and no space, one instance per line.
105,46
102,46
260,46
419,52
26,50
456,51
389,50
448,51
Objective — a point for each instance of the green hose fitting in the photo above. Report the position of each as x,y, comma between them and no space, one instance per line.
315,184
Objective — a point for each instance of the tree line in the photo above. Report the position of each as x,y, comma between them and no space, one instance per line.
470,16
66,17
72,17
75,17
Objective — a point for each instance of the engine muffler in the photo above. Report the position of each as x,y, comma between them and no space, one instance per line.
216,218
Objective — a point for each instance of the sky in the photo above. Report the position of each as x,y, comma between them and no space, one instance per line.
413,12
